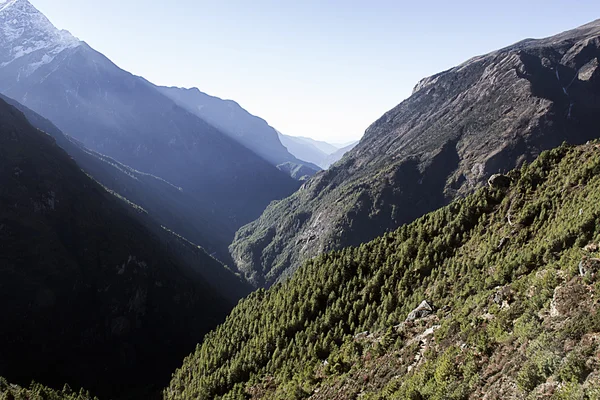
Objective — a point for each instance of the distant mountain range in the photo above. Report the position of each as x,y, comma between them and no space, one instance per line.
337,155
301,157
322,146
317,152
488,115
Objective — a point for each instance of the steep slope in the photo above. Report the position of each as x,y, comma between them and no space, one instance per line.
124,117
511,279
163,203
297,171
89,294
227,115
459,127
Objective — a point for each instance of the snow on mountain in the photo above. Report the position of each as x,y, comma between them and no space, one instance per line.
26,31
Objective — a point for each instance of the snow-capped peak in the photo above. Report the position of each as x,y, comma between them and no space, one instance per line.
24,30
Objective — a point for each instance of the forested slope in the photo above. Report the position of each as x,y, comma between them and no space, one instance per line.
511,273
36,391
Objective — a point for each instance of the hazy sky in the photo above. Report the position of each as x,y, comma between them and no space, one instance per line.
320,68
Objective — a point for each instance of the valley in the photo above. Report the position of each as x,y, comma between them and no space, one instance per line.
158,242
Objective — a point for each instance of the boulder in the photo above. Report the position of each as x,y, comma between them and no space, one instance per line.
499,181
361,335
423,310
503,241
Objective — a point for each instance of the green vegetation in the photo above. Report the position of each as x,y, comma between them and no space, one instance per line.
39,392
514,318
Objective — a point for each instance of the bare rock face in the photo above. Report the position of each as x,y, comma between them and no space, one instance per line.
458,128
503,295
589,71
591,248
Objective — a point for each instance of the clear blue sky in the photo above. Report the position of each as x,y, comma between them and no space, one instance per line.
319,68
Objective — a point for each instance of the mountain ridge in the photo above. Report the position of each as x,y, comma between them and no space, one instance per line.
488,115
229,116
48,38
313,150
124,117
339,154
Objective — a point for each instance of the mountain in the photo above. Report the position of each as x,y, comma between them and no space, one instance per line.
345,144
337,155
297,171
303,149
320,153
488,115
91,295
495,296
162,203
124,117
227,115
325,147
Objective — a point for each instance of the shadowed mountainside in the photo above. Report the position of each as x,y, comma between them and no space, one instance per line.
91,295
124,117
163,204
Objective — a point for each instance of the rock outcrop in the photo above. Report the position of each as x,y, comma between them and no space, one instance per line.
499,181
423,310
